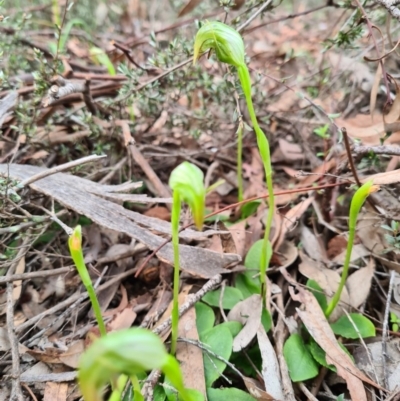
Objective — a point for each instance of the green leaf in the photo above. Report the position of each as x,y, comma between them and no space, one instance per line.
319,355
129,351
318,293
219,340
253,257
345,328
173,396
102,58
233,394
231,297
159,393
249,208
247,285
205,317
299,360
244,365
266,320
234,327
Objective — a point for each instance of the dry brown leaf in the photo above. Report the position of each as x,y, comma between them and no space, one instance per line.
363,358
72,356
17,288
360,127
370,232
359,293
238,232
358,251
255,389
270,367
287,152
387,177
167,314
287,254
317,173
291,218
247,312
122,320
189,356
189,7
319,328
55,391
311,245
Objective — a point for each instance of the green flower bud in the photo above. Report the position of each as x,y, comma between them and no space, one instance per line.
187,179
223,39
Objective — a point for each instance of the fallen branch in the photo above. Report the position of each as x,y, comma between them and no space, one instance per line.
391,7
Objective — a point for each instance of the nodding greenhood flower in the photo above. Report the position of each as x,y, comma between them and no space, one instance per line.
187,180
223,39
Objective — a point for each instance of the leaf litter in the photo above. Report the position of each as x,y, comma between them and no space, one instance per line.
124,204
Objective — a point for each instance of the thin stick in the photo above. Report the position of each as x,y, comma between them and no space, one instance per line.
385,327
350,156
16,392
378,150
254,16
58,169
208,286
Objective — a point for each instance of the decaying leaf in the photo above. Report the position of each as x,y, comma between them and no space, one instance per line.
270,366
359,284
55,391
317,325
247,312
189,356
376,370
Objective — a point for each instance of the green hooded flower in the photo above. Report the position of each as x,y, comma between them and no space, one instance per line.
223,39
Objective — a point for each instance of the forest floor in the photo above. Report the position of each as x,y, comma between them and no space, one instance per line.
100,101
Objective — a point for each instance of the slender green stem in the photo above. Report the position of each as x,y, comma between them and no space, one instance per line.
176,211
116,395
239,160
356,203
335,300
136,389
77,256
263,147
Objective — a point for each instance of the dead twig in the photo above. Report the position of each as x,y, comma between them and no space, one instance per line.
16,391
209,286
377,150
391,7
39,274
58,169
63,87
385,327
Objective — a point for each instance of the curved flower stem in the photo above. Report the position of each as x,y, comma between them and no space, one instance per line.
176,211
240,160
356,203
263,147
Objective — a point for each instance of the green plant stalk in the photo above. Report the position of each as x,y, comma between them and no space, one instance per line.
176,211
229,48
263,146
136,389
240,160
356,203
55,10
116,395
75,247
